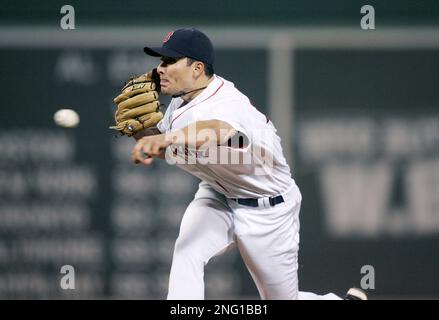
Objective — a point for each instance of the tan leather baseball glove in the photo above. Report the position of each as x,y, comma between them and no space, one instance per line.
138,105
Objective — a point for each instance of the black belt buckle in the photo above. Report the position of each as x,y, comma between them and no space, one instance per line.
276,200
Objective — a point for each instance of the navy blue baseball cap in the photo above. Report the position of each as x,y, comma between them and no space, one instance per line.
187,42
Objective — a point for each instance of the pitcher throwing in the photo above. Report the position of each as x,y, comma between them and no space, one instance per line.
246,198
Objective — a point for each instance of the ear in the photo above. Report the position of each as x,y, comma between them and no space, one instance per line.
198,68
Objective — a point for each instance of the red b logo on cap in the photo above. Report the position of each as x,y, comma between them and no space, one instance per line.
165,39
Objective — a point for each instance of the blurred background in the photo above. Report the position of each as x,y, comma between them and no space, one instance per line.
357,110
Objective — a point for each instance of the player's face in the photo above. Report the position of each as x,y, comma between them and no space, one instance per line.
175,75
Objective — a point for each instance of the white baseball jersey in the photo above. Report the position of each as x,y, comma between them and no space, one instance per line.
267,175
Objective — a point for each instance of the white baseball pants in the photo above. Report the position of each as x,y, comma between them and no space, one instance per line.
267,238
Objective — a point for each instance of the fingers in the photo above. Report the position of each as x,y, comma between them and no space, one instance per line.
145,150
136,154
155,150
146,161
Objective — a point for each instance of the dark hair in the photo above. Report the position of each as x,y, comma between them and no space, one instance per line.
208,68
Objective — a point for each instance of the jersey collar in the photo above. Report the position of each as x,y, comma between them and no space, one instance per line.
211,88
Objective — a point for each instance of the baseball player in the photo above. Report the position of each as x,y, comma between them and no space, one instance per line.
246,197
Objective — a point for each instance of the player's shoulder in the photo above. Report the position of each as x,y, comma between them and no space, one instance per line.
224,84
229,91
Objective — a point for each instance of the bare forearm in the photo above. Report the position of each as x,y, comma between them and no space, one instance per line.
202,133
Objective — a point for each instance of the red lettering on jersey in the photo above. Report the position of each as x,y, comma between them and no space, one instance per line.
165,39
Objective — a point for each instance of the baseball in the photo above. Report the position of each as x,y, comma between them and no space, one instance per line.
66,118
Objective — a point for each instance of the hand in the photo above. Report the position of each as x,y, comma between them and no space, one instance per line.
149,147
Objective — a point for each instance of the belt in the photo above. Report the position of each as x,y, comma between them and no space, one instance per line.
253,202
